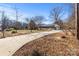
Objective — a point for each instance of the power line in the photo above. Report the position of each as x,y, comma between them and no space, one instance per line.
13,8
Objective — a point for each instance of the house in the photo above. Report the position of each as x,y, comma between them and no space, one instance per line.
57,27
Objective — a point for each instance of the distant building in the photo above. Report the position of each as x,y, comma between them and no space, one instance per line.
57,27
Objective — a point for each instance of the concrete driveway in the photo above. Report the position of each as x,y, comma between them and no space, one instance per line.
9,45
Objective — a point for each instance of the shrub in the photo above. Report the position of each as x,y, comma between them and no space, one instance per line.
14,31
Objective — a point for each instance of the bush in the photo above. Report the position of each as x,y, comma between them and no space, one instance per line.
8,30
14,31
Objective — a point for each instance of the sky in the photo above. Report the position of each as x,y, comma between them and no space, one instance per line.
34,9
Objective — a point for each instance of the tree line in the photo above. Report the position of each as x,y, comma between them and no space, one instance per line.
35,23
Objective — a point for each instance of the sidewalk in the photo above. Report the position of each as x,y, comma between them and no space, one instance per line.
10,45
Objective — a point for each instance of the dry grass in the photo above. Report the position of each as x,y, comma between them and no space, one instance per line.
19,32
51,45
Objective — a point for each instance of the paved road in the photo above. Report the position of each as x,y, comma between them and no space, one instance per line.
9,45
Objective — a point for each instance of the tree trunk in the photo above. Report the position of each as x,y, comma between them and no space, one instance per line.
3,34
78,21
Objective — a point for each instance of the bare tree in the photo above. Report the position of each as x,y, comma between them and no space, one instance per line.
70,24
32,25
56,14
3,26
19,25
39,20
7,21
27,22
71,20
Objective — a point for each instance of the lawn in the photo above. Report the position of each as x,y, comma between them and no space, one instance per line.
51,45
20,32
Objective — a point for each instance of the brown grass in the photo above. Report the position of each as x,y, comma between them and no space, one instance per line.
19,32
51,45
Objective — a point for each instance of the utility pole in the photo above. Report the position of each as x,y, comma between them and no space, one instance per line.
17,17
16,12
